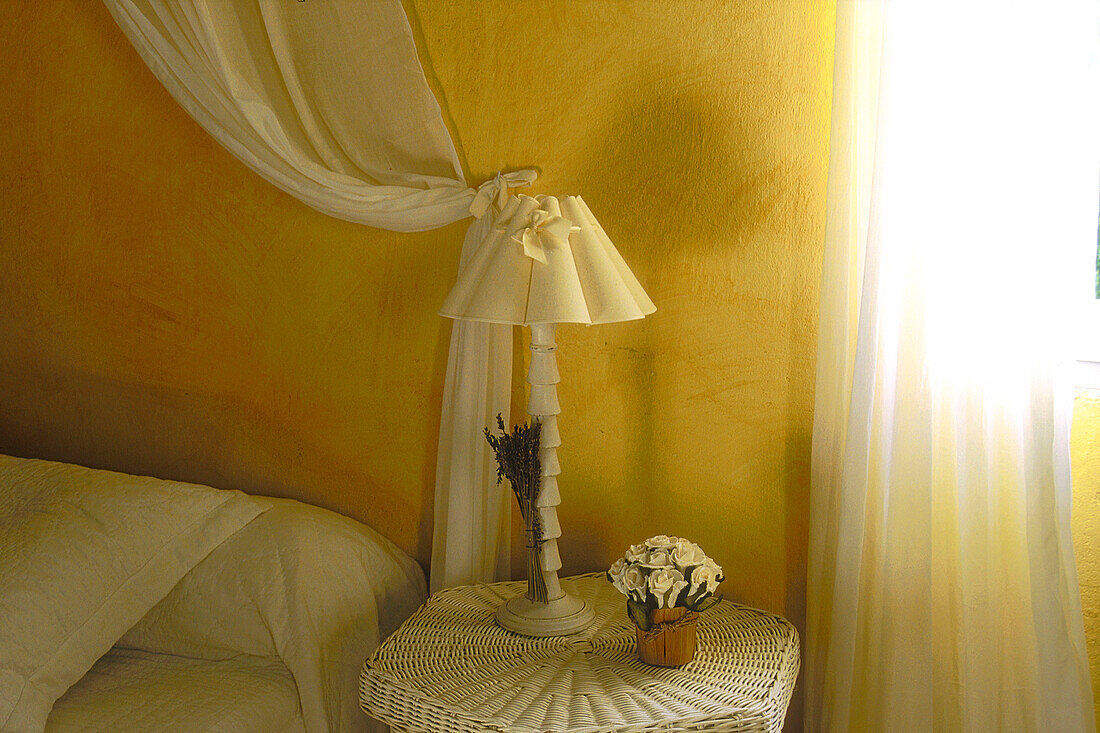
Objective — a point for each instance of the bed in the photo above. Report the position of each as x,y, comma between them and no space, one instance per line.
133,603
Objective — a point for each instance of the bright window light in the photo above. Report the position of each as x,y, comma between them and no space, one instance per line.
1088,326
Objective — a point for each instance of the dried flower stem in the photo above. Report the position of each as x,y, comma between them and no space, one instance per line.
517,455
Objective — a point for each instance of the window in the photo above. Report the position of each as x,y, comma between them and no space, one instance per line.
1088,342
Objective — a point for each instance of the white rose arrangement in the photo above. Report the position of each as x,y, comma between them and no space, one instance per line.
665,572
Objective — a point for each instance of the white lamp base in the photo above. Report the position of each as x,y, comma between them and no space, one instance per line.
559,617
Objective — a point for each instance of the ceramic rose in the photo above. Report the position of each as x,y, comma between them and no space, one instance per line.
665,572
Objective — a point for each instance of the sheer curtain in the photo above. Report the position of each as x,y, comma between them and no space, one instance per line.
328,101
963,188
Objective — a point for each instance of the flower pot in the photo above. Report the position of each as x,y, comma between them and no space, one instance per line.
670,641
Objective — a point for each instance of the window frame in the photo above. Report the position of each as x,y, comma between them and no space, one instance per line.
1087,347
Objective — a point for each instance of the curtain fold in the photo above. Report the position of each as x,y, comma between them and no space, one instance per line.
470,506
328,101
964,174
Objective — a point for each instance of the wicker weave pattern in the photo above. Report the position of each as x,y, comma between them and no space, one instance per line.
450,668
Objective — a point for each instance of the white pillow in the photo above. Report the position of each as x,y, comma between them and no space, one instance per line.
84,554
315,588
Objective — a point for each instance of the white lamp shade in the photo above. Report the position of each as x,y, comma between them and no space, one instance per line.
547,261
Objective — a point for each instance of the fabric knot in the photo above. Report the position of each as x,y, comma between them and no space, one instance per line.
543,229
496,188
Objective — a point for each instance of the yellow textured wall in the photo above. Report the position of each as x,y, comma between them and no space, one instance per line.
167,311
697,132
1085,450
164,310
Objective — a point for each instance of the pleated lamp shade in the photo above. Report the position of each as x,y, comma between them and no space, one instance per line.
547,260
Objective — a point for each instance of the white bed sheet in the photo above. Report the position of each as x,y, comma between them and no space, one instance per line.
84,554
143,692
316,589
217,606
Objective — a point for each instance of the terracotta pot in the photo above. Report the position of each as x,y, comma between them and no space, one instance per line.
670,642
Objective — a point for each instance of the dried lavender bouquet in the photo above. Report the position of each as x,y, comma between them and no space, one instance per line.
517,455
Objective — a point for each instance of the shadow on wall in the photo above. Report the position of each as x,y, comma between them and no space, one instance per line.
714,391
680,207
661,157
712,187
151,431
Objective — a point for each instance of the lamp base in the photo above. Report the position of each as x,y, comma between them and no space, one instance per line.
559,617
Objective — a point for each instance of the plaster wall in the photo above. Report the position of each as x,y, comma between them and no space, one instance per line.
1085,452
166,311
697,133
163,310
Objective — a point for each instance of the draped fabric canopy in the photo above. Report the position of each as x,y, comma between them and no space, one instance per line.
325,100
965,160
328,101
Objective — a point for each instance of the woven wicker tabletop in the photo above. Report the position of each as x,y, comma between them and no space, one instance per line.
451,668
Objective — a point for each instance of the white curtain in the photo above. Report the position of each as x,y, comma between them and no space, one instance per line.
963,189
471,535
327,100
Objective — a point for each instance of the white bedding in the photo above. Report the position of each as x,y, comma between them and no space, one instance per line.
189,584
83,555
131,690
316,589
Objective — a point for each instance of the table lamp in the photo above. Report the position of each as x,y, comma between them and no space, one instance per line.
546,261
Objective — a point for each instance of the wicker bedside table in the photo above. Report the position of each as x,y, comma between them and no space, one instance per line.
451,668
